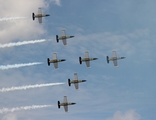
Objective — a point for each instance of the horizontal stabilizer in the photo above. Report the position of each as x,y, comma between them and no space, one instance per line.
57,38
107,59
33,16
80,60
69,82
58,104
48,61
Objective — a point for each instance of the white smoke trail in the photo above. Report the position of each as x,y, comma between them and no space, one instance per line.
5,110
21,43
4,67
11,18
28,87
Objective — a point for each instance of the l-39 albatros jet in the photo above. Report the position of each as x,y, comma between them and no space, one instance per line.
39,15
114,58
86,59
65,104
54,61
63,37
75,81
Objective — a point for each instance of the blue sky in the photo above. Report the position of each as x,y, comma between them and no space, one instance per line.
126,92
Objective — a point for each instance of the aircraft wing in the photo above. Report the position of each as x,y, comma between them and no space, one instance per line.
56,65
75,76
54,56
65,99
115,63
86,55
40,19
39,10
64,41
76,85
63,33
114,54
66,108
87,63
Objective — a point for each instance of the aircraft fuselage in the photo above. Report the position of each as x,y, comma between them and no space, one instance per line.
77,81
66,104
41,15
116,58
65,37
88,59
57,60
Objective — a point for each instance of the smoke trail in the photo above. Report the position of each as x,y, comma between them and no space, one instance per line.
28,87
11,18
5,110
21,43
4,67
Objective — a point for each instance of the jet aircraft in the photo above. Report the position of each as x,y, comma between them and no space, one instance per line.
75,81
86,59
63,37
55,60
39,15
65,104
114,58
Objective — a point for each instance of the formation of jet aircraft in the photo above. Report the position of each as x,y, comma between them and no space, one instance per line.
114,58
63,37
39,15
65,104
55,60
86,59
75,81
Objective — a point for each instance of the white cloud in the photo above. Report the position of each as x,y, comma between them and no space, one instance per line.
57,2
20,28
9,117
129,115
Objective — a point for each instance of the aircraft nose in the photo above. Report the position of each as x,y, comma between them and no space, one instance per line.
84,80
95,58
47,15
71,36
73,103
63,60
123,57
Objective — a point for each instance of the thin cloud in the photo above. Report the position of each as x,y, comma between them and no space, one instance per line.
57,2
129,115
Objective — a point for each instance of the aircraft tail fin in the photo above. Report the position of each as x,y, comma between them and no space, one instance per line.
33,16
107,59
69,82
48,61
57,38
58,104
80,60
